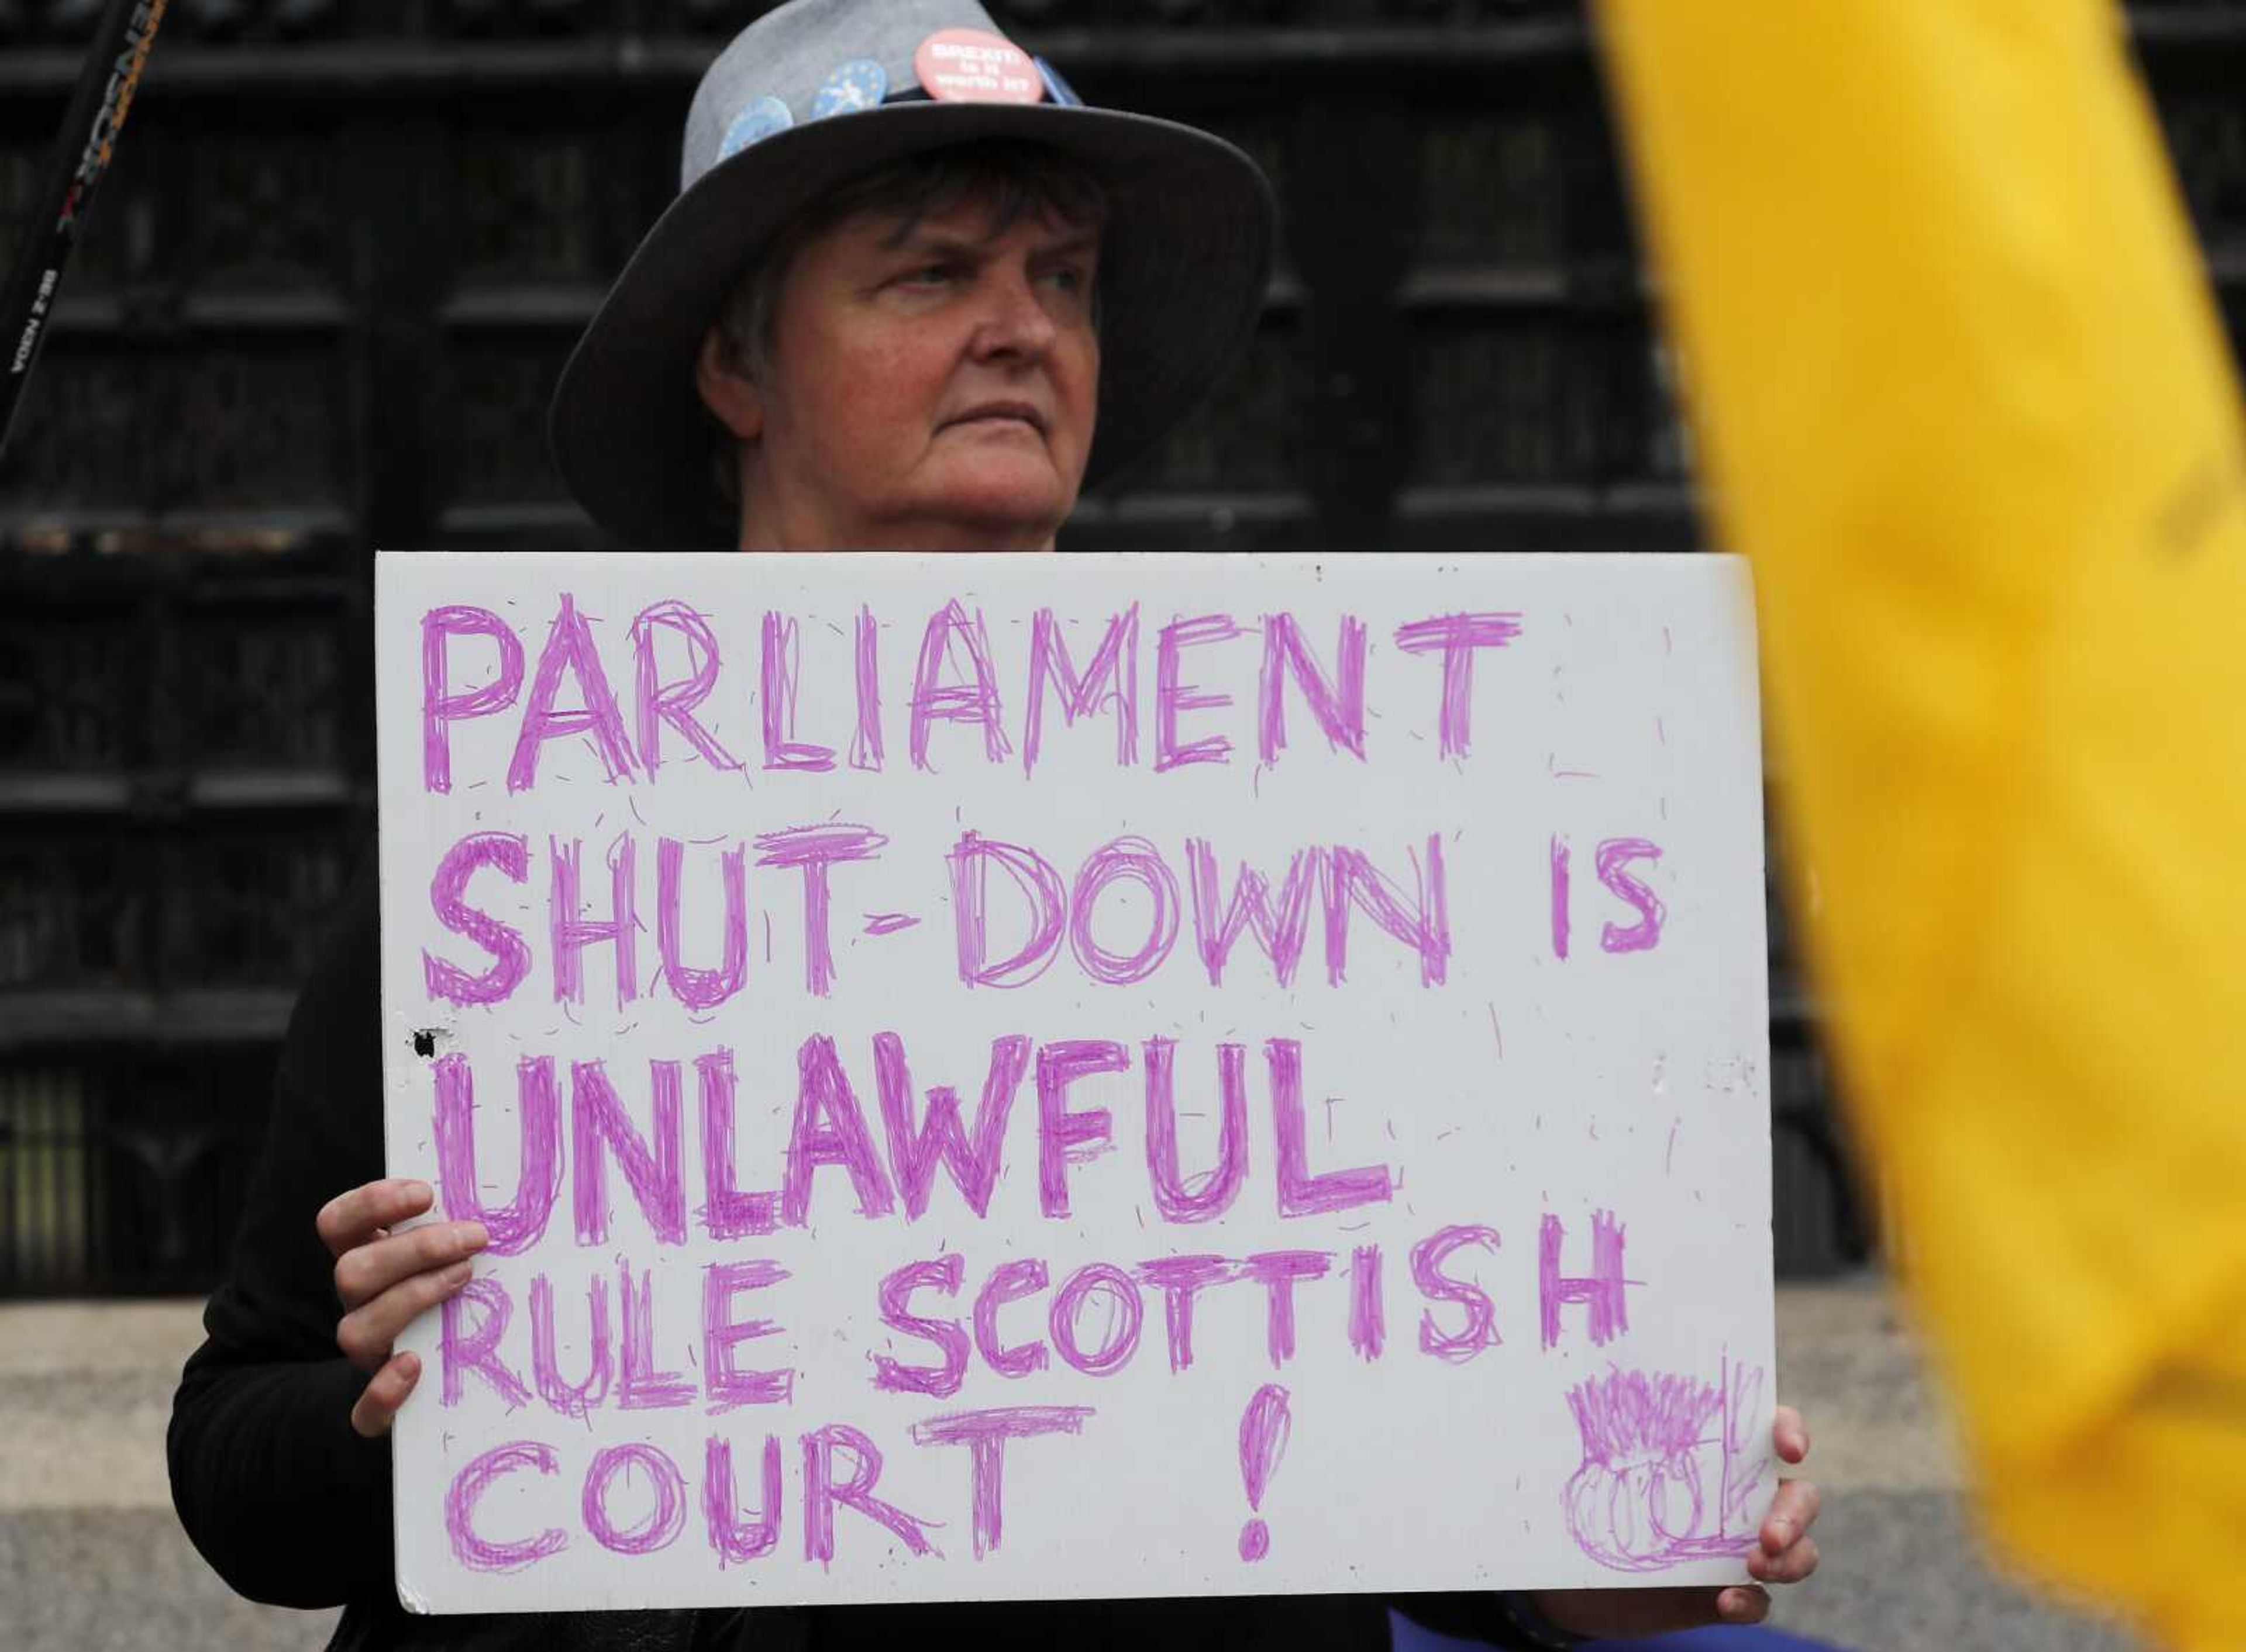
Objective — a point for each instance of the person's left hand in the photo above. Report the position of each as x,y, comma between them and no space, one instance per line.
1784,1552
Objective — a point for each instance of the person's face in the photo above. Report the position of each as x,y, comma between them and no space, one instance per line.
934,390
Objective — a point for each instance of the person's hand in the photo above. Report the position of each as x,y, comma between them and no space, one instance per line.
385,1279
1784,1552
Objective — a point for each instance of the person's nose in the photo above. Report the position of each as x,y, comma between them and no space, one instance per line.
1015,325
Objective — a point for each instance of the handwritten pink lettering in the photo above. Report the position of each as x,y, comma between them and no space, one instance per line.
1456,637
516,1227
574,932
985,1434
510,853
471,1548
1066,1138
814,849
1480,1328
1338,705
652,1164
1615,855
1115,667
782,749
659,703
972,700
569,647
664,1521
441,708
1172,697
943,1274
721,1335
1601,1291
823,1494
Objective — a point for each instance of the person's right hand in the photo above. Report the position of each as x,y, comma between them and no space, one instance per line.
385,1279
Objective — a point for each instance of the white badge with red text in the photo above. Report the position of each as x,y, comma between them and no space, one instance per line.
970,65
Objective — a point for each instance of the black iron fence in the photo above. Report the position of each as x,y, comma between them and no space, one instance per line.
343,253
123,1171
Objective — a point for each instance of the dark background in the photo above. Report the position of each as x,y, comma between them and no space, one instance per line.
344,248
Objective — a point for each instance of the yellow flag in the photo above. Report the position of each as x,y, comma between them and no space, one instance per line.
1961,394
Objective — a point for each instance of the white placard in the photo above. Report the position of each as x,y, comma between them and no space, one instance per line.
1067,1078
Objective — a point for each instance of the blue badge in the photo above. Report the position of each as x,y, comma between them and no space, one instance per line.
858,84
1057,88
754,124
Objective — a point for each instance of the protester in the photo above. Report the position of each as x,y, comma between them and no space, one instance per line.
899,303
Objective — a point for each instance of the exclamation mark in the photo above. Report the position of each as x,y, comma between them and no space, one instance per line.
1263,1442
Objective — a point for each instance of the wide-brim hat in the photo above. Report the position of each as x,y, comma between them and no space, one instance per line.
818,92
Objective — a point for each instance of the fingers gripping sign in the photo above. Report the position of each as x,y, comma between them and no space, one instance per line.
1784,1553
387,1275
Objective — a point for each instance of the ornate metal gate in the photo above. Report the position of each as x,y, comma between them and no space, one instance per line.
345,248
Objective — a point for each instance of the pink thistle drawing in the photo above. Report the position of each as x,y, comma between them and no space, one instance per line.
1660,1482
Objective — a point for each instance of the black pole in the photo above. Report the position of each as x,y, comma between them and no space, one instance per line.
89,138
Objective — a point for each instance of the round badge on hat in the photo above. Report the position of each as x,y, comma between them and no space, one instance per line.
759,121
858,84
973,65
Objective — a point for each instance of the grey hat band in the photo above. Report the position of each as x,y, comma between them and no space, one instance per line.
1057,91
792,52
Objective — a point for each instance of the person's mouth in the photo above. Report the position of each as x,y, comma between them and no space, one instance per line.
1001,413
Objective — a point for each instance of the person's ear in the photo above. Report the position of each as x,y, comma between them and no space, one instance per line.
730,395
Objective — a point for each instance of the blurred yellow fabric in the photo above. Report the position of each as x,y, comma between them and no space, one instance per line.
1961,393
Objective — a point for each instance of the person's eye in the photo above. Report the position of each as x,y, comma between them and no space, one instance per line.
930,276
1071,279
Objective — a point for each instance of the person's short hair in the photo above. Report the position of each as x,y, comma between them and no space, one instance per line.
1014,175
